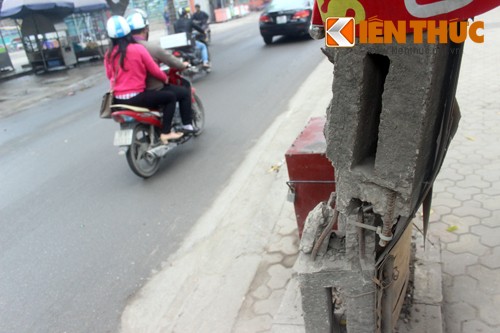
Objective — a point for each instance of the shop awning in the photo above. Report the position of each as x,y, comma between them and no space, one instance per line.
49,8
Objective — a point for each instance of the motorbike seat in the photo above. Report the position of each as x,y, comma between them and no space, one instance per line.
135,109
130,107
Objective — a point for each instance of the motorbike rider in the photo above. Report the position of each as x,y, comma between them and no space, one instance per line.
127,64
200,17
185,24
139,25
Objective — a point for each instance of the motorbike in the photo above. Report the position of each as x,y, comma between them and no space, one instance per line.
192,55
206,27
139,135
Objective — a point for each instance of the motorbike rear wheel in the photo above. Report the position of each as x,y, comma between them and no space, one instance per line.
142,164
198,115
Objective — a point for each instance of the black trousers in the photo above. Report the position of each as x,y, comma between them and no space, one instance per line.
159,99
183,96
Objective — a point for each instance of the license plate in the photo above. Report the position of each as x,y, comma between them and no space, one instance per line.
281,19
123,137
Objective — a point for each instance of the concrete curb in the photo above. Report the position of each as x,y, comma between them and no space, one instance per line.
15,74
289,318
425,312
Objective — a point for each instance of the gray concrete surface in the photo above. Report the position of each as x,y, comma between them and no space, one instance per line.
231,274
379,134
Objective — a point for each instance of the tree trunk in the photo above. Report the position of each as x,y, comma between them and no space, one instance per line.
117,7
173,16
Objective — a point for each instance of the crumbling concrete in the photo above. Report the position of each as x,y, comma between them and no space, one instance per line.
336,290
382,120
383,125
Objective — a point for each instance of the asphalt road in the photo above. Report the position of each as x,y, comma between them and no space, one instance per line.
79,232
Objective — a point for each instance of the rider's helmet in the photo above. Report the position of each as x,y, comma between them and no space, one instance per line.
137,21
117,27
142,12
182,12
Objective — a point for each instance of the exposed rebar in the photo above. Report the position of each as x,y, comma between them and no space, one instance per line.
386,235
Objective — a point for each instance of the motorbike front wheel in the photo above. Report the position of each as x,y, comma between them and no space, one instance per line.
142,164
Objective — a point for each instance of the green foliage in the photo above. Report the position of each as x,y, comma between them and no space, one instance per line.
154,8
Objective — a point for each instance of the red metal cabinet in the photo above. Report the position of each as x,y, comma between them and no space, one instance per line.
311,174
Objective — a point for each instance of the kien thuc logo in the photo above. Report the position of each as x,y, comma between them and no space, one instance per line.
340,32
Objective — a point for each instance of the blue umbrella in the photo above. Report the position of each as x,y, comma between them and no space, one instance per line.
51,8
22,8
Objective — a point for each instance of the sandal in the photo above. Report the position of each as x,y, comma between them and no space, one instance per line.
165,138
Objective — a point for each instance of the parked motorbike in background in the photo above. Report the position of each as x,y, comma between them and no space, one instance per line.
140,129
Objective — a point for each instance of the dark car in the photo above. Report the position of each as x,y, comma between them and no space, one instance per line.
285,18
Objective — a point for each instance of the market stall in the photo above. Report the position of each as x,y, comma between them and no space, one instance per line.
87,30
46,43
5,63
45,36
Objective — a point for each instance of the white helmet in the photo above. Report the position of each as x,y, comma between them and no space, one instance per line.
142,12
117,27
137,21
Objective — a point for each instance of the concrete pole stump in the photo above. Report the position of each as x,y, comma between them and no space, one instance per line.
384,123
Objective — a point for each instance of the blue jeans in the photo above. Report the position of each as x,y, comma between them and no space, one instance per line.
204,52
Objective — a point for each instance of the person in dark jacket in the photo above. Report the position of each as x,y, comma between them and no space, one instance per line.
200,16
185,24
202,19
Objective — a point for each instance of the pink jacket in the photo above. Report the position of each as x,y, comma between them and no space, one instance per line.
136,65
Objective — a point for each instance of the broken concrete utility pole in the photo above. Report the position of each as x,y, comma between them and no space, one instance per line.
389,124
383,124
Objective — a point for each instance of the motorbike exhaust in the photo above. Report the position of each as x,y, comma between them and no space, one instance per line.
122,150
159,152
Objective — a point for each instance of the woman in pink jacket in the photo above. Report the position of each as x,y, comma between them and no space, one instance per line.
127,64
